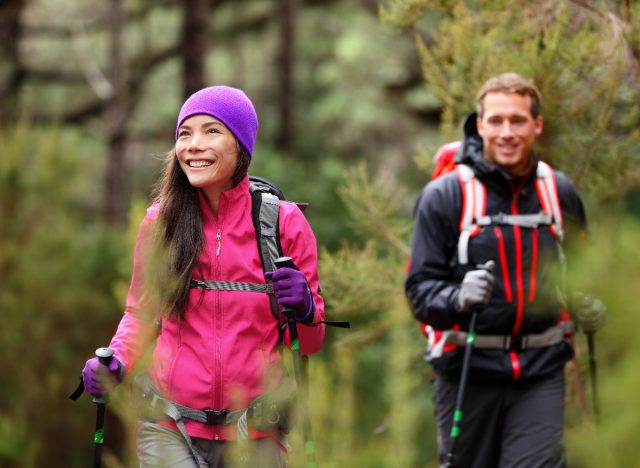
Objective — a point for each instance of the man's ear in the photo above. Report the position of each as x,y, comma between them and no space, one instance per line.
539,122
479,125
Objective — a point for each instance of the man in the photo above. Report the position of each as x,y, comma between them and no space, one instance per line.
514,397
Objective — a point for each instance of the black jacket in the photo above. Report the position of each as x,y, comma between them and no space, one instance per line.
525,298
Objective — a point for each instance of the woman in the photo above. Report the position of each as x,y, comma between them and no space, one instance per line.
217,350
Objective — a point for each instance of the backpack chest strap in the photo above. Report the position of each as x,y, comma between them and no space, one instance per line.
474,205
523,220
231,286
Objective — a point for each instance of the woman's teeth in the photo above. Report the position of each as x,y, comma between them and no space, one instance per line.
199,163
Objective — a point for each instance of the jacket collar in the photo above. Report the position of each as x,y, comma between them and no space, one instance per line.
232,197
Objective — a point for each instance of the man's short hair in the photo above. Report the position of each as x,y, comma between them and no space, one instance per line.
510,83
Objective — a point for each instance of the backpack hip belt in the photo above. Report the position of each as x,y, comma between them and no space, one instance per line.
550,337
267,413
269,408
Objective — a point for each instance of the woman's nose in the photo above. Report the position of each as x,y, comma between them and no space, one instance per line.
196,142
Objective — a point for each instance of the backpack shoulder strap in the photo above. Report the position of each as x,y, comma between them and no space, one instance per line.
474,205
547,189
265,213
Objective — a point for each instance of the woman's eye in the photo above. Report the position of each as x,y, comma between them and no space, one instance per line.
212,130
182,133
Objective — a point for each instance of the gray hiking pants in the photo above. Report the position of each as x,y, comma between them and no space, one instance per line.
162,447
505,425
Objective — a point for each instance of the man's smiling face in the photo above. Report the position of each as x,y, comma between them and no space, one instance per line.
508,130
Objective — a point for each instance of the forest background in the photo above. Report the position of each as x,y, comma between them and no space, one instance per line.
354,97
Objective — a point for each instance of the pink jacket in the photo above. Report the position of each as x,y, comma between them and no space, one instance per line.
218,357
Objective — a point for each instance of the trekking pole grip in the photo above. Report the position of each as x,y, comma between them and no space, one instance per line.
286,262
104,355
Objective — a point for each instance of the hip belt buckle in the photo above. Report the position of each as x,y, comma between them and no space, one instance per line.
215,417
516,343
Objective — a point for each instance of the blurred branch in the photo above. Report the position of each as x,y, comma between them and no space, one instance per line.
87,60
54,75
140,70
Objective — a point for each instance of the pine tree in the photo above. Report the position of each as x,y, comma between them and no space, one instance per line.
584,57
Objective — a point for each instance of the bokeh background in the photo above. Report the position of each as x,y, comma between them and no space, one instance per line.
354,97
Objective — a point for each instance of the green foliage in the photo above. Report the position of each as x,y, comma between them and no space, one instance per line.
57,269
64,275
579,57
373,373
610,269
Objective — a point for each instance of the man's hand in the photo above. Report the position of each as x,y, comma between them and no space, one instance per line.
590,312
476,288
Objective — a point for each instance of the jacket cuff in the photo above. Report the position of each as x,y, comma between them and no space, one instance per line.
454,310
308,316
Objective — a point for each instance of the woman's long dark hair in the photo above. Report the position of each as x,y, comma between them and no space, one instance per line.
179,236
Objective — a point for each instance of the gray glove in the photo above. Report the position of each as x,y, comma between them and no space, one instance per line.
476,288
590,312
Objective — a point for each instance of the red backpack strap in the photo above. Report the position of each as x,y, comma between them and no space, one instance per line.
547,189
474,205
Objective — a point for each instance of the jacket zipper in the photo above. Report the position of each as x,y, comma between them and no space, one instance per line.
534,265
503,264
217,398
517,234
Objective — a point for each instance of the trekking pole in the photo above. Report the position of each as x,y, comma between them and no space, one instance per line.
591,347
104,355
299,371
466,364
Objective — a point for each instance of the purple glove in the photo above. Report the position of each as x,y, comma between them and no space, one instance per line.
292,291
99,379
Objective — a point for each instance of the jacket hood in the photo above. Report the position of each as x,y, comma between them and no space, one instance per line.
471,150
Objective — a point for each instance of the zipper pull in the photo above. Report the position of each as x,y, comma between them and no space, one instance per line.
219,242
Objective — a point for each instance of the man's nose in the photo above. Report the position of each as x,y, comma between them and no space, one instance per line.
505,129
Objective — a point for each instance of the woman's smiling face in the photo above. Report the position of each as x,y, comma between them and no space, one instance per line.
207,152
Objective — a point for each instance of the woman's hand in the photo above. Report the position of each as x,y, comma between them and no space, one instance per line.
292,292
99,379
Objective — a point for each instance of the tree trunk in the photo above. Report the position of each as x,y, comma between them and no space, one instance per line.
285,138
194,44
117,184
10,34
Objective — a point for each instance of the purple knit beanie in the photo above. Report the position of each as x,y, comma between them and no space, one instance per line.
229,105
